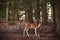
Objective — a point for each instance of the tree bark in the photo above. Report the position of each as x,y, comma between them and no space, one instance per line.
7,3
29,13
58,16
37,10
44,12
14,11
53,2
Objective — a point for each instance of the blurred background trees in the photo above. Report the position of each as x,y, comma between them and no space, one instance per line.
29,10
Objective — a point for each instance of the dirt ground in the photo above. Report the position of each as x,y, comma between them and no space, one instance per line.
46,33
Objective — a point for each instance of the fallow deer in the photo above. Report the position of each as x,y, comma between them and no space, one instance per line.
29,25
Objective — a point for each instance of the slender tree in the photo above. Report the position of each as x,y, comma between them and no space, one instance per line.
2,9
53,2
29,10
37,9
44,12
57,10
7,3
14,11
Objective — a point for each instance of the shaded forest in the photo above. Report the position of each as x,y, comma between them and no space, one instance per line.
13,14
12,10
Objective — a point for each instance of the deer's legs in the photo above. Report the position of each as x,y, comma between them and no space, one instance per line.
35,32
24,32
27,32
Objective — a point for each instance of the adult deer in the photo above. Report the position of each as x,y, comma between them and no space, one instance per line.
29,25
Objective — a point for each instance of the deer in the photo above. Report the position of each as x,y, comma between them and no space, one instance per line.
29,25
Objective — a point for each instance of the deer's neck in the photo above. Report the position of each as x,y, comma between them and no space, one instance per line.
39,25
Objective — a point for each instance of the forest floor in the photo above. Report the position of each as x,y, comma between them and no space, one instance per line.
47,34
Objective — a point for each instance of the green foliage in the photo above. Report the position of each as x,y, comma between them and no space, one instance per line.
18,4
48,1
2,8
2,11
2,14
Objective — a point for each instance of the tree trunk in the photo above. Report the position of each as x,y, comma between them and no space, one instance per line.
58,16
7,3
26,14
37,10
18,14
54,14
44,12
14,11
29,13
